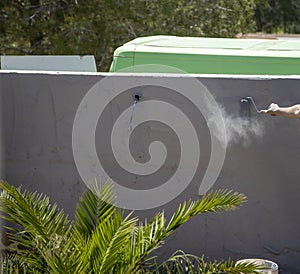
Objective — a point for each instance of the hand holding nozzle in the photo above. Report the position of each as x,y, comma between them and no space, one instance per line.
276,110
272,110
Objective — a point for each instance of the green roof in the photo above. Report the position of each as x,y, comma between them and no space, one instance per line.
221,46
211,55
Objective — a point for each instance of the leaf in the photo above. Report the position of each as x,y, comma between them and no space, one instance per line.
38,223
95,205
211,202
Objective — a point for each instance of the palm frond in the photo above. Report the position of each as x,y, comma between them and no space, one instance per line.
95,205
32,211
119,240
181,262
11,264
105,249
151,235
148,238
41,227
102,239
212,202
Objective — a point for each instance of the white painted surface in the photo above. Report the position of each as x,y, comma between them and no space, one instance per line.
49,63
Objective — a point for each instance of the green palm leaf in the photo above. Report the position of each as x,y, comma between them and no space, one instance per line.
103,230
102,239
115,244
40,226
181,262
212,202
95,205
153,233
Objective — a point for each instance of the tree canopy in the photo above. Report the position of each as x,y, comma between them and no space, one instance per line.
98,27
273,16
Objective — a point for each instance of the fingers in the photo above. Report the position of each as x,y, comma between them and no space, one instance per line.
272,110
273,107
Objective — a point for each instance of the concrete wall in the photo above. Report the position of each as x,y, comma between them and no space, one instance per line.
262,157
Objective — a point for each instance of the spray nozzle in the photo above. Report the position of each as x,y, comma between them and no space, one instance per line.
249,100
137,96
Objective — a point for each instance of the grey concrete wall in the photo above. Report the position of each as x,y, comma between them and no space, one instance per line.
262,158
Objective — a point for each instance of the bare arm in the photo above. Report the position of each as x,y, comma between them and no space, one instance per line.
275,110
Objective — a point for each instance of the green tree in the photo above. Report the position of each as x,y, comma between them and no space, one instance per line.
224,18
278,16
101,239
30,27
99,26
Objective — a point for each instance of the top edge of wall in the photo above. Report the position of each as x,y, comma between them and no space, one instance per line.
170,75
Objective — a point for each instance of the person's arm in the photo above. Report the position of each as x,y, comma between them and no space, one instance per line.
275,110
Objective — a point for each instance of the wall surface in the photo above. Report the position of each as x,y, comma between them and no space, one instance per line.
262,154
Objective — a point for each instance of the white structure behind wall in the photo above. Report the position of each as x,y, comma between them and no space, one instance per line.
49,63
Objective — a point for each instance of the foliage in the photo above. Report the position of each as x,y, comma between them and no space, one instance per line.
101,239
278,16
99,26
